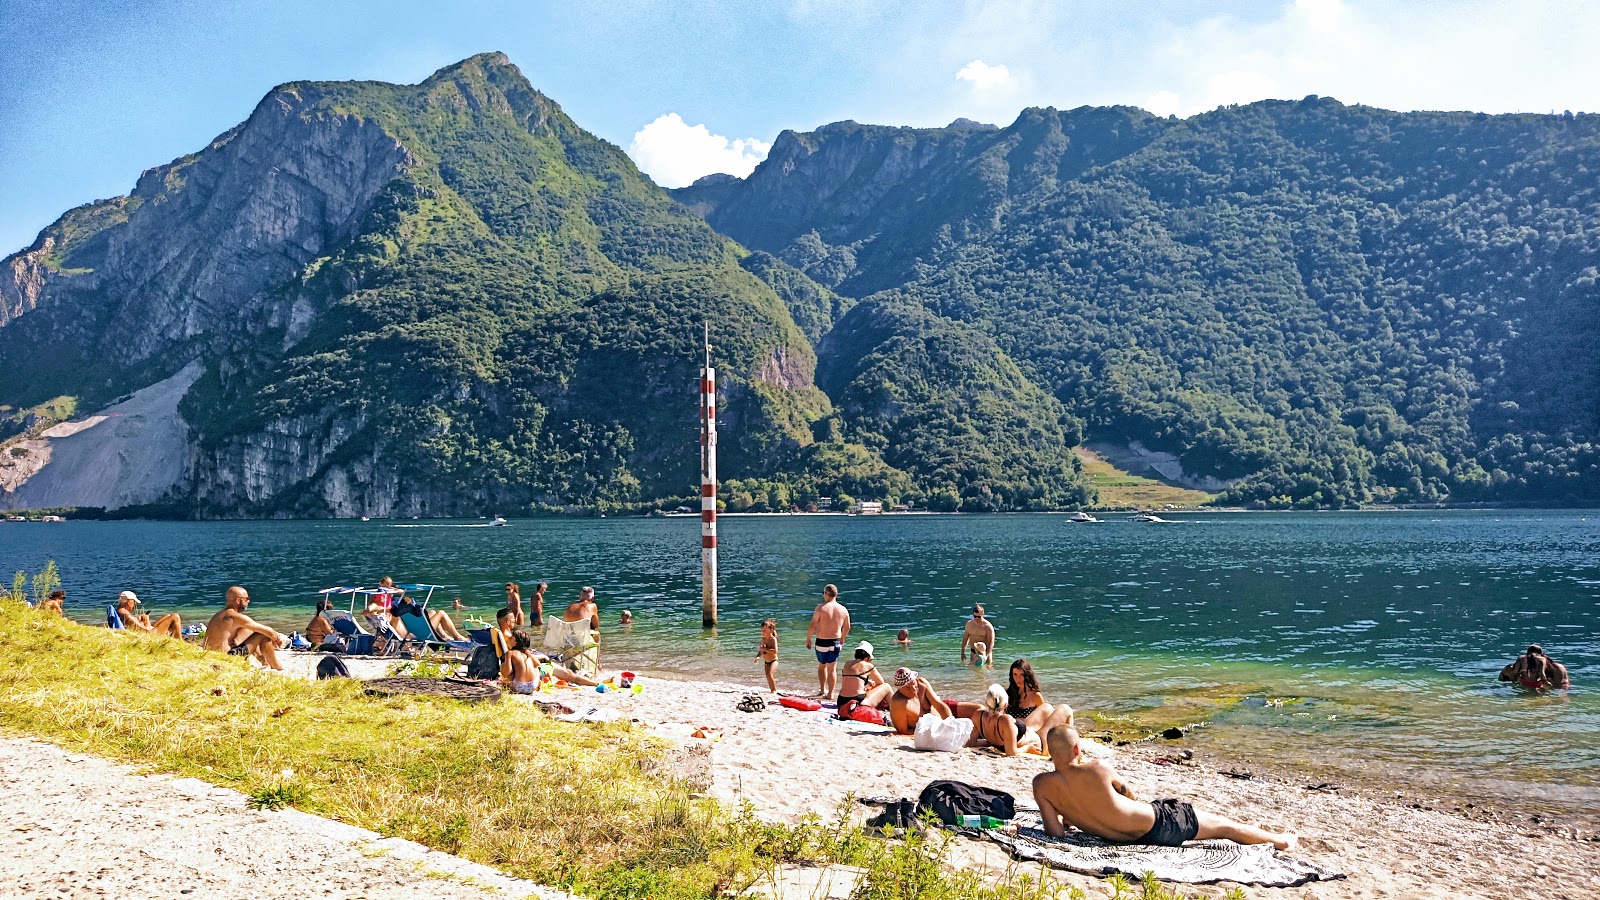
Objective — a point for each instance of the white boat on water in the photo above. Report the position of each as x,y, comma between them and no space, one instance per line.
499,520
1081,516
1148,517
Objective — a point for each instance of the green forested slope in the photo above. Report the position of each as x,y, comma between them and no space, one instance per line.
510,322
1325,305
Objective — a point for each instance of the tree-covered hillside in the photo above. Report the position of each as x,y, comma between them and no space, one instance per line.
444,298
1320,304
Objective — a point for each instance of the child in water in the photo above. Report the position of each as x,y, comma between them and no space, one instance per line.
905,637
768,652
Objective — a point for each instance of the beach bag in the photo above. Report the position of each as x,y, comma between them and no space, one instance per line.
950,800
948,735
484,665
332,667
868,715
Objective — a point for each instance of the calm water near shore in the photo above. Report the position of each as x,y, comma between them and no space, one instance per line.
1380,632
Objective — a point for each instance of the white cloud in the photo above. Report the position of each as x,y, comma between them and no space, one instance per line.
1162,103
984,77
675,153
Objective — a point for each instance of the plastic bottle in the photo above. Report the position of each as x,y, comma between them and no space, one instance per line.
984,822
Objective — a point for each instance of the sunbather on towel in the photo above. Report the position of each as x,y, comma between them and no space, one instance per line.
170,624
231,631
1089,794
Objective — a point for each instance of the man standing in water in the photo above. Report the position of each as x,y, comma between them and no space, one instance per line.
231,631
830,625
979,633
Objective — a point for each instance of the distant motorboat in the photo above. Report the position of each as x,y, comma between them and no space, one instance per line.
499,520
1148,517
1081,517
366,518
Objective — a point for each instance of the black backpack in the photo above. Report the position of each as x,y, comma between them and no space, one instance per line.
484,665
950,800
332,667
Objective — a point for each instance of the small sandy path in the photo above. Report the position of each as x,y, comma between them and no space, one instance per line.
78,826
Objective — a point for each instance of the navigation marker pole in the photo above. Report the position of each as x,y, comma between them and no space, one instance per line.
708,490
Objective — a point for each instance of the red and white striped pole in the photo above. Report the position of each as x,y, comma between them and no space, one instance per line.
708,490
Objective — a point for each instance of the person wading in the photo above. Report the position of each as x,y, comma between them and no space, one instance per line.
830,625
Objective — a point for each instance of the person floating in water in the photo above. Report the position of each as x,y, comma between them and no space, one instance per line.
905,637
1536,671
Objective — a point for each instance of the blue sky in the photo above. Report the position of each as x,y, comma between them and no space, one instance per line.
92,93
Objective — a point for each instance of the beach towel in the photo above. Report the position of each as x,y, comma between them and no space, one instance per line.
573,645
1197,862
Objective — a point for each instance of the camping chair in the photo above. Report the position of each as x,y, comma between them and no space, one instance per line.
348,635
386,641
421,631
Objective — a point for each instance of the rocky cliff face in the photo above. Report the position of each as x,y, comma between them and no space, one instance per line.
424,299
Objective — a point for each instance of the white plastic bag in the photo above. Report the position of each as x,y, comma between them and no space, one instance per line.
934,733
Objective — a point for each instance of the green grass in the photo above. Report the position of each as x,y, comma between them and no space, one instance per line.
1121,490
580,806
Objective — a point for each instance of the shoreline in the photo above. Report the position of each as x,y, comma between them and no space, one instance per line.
789,764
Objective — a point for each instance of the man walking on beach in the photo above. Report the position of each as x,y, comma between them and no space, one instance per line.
830,625
978,634
231,631
1090,795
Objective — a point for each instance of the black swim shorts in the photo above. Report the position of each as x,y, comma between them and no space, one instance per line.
1175,823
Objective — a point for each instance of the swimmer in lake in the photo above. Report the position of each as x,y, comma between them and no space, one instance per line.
1537,672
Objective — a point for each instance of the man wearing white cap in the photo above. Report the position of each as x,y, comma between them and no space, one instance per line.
913,698
170,624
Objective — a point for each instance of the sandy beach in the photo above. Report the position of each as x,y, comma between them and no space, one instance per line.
788,764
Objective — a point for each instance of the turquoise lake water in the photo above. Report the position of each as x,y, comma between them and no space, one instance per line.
1381,631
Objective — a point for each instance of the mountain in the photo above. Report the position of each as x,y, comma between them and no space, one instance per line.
433,299
1302,303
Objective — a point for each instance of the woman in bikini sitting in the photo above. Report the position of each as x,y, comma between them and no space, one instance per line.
857,680
1025,704
518,667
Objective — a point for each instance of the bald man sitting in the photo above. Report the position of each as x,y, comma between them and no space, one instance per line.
231,631
1089,795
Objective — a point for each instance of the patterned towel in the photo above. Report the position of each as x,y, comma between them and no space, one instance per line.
1197,862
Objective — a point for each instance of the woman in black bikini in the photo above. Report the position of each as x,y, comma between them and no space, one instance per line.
1025,704
857,680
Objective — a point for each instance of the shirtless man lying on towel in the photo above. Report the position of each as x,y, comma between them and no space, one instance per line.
231,631
1089,794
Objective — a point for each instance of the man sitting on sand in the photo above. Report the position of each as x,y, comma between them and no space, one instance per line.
830,625
912,698
170,624
1088,794
1537,672
978,631
231,631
